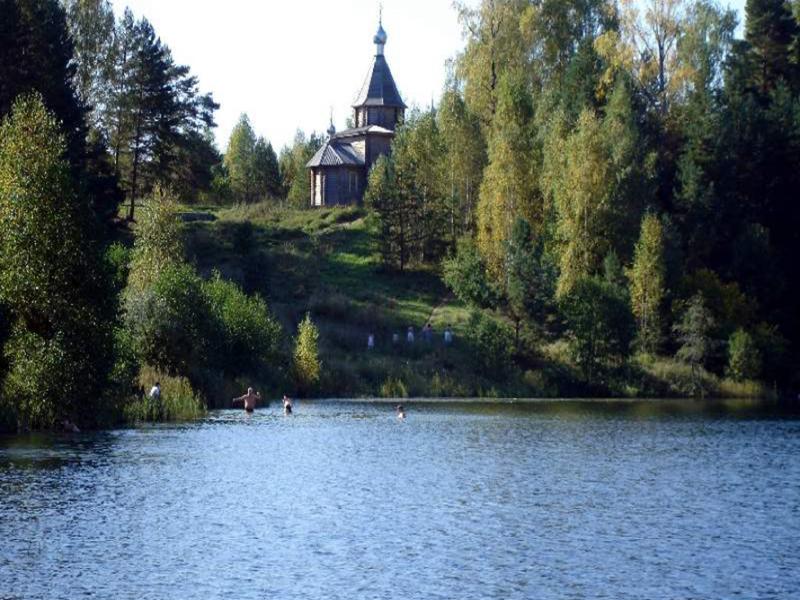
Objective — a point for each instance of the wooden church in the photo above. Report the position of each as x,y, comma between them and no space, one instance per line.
339,170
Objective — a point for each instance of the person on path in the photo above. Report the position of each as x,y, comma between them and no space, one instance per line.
155,392
370,342
410,335
249,400
448,336
287,406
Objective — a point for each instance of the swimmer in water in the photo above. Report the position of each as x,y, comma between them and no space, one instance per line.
287,406
249,400
401,412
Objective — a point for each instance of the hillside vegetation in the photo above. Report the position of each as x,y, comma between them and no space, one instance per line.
326,263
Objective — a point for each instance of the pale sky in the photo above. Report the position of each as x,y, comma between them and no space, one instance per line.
288,63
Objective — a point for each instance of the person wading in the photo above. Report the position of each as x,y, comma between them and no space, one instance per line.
249,399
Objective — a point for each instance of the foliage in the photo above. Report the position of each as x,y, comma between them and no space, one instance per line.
171,322
393,388
744,358
465,274
693,333
159,240
292,166
52,280
307,365
600,323
493,342
510,183
249,338
178,400
530,279
647,283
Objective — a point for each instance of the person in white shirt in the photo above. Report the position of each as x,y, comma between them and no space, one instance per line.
155,392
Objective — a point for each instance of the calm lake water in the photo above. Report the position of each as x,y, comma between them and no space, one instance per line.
460,501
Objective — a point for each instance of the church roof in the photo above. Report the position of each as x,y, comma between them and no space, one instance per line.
363,131
379,88
336,154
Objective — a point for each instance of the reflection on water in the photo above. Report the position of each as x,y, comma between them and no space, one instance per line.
469,500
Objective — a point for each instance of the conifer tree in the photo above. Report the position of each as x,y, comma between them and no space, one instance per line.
266,170
647,283
770,30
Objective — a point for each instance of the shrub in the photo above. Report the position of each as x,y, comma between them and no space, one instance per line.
744,359
170,323
493,342
601,326
465,274
393,388
247,337
118,262
306,356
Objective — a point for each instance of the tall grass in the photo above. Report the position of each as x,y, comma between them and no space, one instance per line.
178,402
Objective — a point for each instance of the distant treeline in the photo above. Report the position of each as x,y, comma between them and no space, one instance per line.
622,175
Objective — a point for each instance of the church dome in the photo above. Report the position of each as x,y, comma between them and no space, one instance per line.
380,36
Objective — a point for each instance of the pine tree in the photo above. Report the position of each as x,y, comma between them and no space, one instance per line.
530,279
693,333
647,283
266,170
770,30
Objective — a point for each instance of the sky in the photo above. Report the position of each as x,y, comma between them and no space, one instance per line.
289,63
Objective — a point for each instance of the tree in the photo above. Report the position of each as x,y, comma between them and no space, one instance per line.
395,213
418,157
693,333
530,280
510,186
744,358
91,27
464,161
465,274
52,280
647,283
266,170
292,165
597,180
770,31
306,356
494,45
239,160
153,107
600,325
159,241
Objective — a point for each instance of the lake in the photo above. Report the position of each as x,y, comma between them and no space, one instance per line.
538,500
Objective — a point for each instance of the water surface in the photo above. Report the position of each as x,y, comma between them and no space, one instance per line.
342,500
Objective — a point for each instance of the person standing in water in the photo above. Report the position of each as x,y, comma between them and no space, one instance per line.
249,400
287,406
401,412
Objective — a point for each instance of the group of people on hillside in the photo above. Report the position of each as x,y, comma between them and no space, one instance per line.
426,333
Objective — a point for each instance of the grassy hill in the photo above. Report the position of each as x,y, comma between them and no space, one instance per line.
326,262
